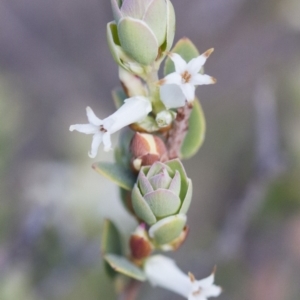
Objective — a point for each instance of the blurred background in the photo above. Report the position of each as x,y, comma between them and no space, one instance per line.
245,215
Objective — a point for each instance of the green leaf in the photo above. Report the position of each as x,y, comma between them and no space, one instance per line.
171,22
167,229
118,96
162,202
111,239
138,40
116,173
141,207
155,18
124,266
186,49
176,164
188,198
121,153
110,243
196,133
114,42
126,200
115,5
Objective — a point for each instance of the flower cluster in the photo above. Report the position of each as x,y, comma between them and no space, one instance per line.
164,114
176,89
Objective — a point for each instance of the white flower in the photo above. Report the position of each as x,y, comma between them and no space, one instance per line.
163,271
133,110
185,78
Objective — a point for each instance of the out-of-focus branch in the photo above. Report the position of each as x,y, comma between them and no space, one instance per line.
268,166
131,291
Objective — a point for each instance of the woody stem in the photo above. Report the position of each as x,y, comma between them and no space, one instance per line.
179,130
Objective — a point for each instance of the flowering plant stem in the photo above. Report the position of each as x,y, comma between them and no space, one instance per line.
154,184
131,291
179,130
152,83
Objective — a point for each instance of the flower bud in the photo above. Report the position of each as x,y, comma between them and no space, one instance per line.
144,28
164,118
161,197
139,243
147,149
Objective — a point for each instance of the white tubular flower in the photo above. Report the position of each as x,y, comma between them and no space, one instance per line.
133,110
186,77
163,271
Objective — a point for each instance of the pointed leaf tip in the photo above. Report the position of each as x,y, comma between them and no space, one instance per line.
116,173
124,266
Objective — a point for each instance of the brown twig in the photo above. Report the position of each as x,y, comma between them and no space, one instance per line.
131,291
179,130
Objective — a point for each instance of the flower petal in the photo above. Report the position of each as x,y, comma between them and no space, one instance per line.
173,78
194,65
200,79
93,119
206,282
85,128
97,139
212,291
133,110
188,91
172,96
195,296
106,141
163,271
179,63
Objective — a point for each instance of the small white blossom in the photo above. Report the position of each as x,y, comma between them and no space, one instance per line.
163,271
133,110
186,77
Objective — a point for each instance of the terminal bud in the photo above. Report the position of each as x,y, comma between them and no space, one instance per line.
146,149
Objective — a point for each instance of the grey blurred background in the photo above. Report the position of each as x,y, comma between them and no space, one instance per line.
245,216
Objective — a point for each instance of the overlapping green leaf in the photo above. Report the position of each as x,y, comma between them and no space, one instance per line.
196,133
124,266
110,243
116,173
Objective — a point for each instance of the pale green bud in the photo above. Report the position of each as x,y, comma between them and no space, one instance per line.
161,197
165,118
145,28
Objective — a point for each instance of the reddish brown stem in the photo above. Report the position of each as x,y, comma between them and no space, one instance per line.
131,291
179,130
